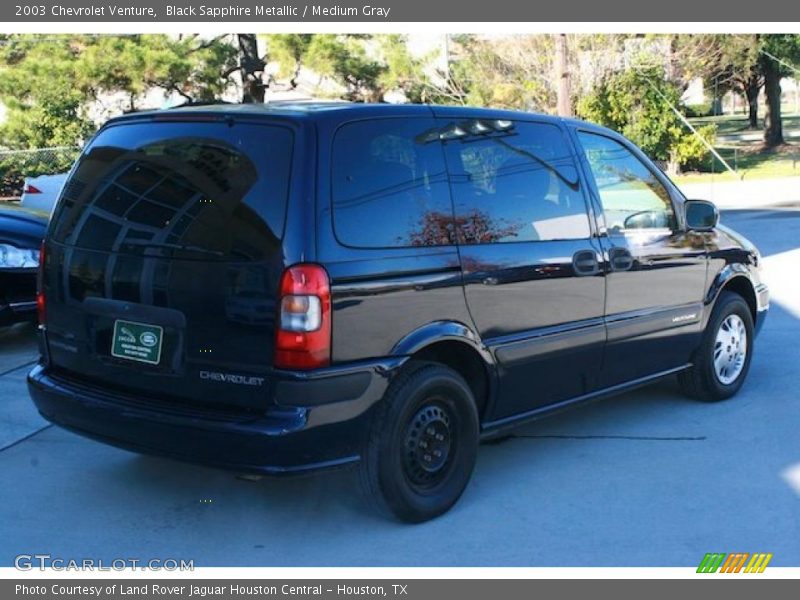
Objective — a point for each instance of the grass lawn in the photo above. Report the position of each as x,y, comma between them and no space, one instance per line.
742,148
735,124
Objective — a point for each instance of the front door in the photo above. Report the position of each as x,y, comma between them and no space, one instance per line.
656,269
530,258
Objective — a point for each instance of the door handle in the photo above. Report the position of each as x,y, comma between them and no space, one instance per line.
620,259
584,262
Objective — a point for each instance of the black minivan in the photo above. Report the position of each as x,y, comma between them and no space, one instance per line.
289,287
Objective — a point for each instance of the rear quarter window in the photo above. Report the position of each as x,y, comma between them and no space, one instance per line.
214,187
389,187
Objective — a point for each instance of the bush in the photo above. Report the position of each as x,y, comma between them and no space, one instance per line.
704,109
690,152
637,103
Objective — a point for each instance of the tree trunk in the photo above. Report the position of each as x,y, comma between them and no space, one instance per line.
773,126
673,166
751,91
564,100
252,68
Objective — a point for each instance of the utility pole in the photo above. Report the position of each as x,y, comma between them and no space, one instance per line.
564,104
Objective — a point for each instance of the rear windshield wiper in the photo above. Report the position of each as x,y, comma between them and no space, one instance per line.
167,245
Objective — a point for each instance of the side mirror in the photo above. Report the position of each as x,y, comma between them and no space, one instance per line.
701,215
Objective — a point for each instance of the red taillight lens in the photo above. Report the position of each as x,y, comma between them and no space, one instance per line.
41,302
31,189
303,338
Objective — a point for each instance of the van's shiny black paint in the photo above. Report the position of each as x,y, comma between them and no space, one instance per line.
303,430
24,229
537,356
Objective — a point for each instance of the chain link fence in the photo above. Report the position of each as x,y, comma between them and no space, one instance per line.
16,165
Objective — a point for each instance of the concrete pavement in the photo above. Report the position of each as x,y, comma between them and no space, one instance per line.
645,479
748,193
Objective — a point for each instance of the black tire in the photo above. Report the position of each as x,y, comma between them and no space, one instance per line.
701,381
426,402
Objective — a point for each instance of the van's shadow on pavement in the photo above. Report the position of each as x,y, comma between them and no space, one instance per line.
191,491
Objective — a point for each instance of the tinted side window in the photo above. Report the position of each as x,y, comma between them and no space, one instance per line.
515,185
390,186
631,196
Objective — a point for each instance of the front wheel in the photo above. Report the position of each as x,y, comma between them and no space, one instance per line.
423,444
722,360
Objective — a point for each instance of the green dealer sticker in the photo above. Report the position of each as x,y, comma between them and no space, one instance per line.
137,341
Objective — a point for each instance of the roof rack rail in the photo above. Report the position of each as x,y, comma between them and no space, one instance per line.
199,103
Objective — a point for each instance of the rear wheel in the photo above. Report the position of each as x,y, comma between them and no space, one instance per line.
722,360
423,444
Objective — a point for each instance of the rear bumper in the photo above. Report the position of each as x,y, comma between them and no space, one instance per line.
282,440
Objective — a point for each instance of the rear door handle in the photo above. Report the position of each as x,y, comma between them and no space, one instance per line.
584,262
620,259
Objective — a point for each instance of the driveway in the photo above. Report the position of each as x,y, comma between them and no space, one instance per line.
645,479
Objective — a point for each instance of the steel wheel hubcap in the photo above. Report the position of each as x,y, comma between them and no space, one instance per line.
427,444
730,349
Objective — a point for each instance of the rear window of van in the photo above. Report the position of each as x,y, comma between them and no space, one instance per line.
217,189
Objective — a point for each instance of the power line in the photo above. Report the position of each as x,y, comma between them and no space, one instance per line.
778,60
691,127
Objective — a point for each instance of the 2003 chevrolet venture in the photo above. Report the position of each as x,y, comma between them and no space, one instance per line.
290,287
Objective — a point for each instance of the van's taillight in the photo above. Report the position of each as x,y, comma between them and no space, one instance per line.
41,302
31,189
303,338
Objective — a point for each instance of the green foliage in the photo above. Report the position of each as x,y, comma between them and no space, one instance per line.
691,153
636,103
631,102
704,109
42,92
199,70
344,59
513,73
288,50
366,67
786,47
403,71
49,84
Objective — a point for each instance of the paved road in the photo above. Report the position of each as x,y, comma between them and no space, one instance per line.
646,479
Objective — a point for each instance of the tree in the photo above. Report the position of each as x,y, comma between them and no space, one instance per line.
637,102
735,67
43,93
746,63
52,85
251,67
514,72
778,52
403,71
364,67
288,51
344,60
